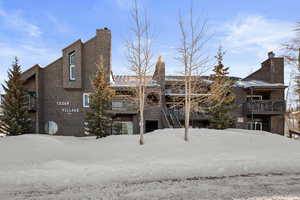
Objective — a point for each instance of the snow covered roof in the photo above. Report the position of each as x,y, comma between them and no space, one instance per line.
131,81
206,79
181,78
257,83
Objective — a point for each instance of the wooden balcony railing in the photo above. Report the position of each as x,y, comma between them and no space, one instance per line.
264,107
126,108
180,114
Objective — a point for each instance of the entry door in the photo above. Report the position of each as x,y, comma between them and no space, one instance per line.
255,126
151,125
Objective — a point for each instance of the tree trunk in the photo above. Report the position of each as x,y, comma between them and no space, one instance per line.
141,96
187,112
141,128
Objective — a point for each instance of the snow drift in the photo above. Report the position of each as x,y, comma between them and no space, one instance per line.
61,160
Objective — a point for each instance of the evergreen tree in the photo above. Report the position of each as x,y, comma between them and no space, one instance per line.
15,119
98,120
221,99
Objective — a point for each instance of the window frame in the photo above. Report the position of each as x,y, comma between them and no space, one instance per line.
250,97
83,100
72,67
125,129
115,102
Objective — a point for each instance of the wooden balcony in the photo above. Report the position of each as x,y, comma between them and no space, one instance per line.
264,107
180,115
124,108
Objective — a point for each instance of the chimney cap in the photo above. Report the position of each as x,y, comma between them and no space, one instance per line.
159,59
271,54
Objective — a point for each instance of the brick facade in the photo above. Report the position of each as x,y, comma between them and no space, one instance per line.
60,100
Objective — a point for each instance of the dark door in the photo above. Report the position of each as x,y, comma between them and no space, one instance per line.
151,125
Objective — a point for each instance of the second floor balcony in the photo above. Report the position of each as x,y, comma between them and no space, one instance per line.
121,106
264,107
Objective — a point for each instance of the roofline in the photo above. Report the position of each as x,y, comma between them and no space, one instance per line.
268,87
52,63
34,66
79,40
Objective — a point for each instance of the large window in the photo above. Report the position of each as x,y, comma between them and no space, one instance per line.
86,100
72,67
122,128
117,105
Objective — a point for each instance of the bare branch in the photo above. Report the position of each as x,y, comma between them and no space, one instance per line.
139,57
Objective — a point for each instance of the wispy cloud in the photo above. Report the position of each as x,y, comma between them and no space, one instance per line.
59,25
256,34
28,55
124,4
15,20
21,38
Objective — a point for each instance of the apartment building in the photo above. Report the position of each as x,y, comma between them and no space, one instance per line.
59,94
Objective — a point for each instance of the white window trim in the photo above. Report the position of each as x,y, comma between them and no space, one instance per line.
71,68
83,100
118,107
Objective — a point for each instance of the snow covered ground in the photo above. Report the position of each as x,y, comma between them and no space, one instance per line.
213,165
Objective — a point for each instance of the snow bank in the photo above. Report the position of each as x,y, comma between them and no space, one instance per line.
256,83
60,160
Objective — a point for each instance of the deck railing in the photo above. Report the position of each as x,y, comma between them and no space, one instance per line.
264,107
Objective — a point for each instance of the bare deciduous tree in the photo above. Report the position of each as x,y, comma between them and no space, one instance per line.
139,57
192,56
292,57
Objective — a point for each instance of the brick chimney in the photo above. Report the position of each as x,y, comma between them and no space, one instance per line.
271,54
103,48
276,68
160,71
272,70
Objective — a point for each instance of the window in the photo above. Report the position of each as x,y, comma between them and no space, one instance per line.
254,97
240,120
117,105
122,128
72,67
86,100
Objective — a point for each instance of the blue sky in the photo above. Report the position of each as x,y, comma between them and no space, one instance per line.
36,31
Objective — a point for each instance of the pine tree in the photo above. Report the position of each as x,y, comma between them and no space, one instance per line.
98,119
15,119
221,99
